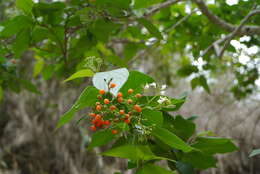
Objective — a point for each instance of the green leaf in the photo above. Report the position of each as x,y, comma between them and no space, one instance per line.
80,74
187,70
22,42
29,86
116,60
48,72
101,137
184,168
213,145
136,81
145,3
176,104
1,93
153,117
200,81
171,139
25,5
153,169
87,98
255,152
132,152
182,128
38,67
204,84
39,34
199,160
150,27
99,26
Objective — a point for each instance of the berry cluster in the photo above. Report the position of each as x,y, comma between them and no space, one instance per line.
111,110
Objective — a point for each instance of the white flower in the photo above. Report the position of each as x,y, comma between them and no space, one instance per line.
162,99
153,84
163,87
162,92
147,86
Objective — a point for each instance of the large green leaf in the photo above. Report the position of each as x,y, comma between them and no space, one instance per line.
183,128
152,117
136,81
13,26
213,145
80,74
153,169
199,160
87,98
255,152
150,27
25,5
132,152
101,137
99,26
184,168
38,66
171,139
22,42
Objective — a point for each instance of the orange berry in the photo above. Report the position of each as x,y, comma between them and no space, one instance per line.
97,103
98,107
93,128
129,101
106,101
127,116
112,85
94,121
99,97
127,121
113,107
137,108
114,131
121,112
138,95
92,114
130,91
120,94
98,117
102,91
99,123
106,122
120,99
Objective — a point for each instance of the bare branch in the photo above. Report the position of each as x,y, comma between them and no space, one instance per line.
245,30
236,31
155,8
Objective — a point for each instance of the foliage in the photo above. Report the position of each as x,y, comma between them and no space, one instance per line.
85,35
140,128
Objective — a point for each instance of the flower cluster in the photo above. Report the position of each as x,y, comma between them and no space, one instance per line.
111,110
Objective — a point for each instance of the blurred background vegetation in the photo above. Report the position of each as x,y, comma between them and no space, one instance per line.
207,49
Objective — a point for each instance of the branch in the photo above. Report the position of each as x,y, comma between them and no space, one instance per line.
155,8
236,31
245,30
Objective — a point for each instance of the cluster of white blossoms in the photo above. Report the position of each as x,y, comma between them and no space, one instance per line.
162,89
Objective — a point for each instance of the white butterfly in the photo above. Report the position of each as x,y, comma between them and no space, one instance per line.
118,76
